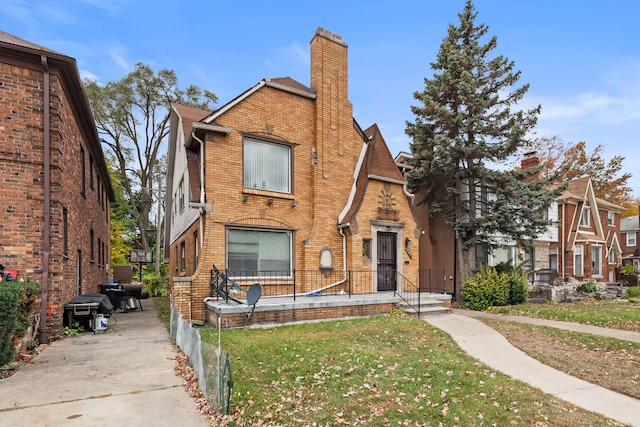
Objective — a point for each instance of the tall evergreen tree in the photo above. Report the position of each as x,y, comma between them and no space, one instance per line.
464,130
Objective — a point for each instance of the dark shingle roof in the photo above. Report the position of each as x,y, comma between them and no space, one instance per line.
377,162
19,42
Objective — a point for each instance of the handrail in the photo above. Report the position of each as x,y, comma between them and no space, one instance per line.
410,297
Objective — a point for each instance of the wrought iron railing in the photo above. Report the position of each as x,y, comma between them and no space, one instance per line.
296,283
433,280
408,292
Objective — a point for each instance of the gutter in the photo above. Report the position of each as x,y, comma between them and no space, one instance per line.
47,203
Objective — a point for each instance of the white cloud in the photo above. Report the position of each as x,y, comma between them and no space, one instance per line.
116,53
85,74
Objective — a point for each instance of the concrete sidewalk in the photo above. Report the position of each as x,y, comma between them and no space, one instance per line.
120,378
567,326
492,349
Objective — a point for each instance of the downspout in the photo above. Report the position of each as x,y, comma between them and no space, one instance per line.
193,135
202,194
47,201
344,262
562,257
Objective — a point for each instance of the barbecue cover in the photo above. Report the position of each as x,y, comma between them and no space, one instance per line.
105,306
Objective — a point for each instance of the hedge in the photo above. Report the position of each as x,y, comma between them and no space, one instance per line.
18,303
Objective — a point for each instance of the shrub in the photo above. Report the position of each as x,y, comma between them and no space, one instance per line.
487,288
633,291
518,290
588,287
17,304
627,270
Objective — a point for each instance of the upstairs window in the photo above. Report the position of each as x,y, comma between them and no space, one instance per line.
267,166
181,195
611,219
584,218
83,179
631,239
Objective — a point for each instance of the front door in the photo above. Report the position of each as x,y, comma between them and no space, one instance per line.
386,261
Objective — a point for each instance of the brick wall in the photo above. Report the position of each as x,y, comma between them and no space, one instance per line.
22,196
239,320
325,150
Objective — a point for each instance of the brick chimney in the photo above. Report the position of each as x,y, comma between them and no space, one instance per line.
530,160
334,113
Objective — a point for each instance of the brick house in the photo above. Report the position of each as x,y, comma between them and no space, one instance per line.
282,179
589,229
437,244
629,234
56,191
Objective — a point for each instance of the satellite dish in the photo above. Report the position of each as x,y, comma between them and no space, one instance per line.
254,293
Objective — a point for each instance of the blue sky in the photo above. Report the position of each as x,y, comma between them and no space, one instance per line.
580,57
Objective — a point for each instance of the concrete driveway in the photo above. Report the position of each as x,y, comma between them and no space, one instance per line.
120,378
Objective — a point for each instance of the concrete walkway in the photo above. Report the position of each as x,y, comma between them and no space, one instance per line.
120,378
492,349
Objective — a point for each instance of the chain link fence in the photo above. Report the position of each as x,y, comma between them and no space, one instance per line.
210,364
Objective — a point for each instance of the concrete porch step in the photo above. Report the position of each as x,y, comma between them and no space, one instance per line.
428,307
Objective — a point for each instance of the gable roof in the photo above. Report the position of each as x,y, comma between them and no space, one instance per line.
578,190
22,43
188,116
375,163
629,223
286,84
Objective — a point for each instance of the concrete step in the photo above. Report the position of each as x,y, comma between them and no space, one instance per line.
428,307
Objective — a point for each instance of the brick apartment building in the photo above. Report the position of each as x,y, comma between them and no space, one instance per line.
283,178
56,190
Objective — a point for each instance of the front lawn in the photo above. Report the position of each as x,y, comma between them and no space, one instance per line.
616,314
386,370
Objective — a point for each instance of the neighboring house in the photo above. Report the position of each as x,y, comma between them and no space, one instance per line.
280,181
589,229
437,245
56,191
629,235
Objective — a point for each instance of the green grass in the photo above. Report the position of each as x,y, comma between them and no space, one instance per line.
386,370
605,313
163,306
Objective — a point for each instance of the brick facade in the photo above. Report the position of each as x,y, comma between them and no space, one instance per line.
598,236
325,210
79,189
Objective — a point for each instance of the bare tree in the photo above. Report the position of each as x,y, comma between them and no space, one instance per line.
132,117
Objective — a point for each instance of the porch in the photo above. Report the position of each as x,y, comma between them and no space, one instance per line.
229,299
231,304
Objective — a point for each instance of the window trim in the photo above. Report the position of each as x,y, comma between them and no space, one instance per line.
579,253
635,238
65,232
181,194
611,218
291,235
275,142
596,249
183,257
585,217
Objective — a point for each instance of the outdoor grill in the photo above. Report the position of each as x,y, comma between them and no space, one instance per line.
124,295
84,310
